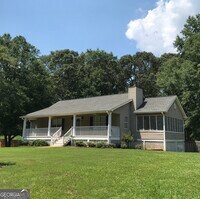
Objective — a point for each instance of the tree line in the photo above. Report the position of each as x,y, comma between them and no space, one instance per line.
29,82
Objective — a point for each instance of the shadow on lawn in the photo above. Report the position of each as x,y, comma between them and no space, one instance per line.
3,164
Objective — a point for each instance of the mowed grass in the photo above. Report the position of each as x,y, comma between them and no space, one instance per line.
71,172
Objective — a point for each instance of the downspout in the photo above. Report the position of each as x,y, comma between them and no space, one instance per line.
164,132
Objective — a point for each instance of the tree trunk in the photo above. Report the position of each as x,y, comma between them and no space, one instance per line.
8,140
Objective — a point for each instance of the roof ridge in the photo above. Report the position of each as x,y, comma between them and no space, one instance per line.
92,97
161,96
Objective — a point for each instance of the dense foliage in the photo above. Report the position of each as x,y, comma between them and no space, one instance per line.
25,84
29,82
180,74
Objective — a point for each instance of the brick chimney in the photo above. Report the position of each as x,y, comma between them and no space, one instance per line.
136,94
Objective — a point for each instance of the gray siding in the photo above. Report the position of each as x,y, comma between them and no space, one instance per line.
123,112
175,136
149,136
174,112
149,145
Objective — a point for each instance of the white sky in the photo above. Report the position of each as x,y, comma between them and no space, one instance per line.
157,31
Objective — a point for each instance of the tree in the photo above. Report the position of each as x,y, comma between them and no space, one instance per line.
181,74
12,97
91,73
63,66
127,71
25,84
140,70
101,73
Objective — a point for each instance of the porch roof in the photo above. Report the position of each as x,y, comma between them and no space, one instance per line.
83,106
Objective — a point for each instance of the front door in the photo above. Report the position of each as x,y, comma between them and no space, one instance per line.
63,124
78,121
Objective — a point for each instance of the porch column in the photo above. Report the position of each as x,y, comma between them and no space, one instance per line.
24,128
164,133
49,127
109,126
74,125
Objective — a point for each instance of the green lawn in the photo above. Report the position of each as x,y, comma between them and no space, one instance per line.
101,173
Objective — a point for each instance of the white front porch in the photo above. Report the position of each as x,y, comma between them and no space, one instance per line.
39,133
96,127
78,133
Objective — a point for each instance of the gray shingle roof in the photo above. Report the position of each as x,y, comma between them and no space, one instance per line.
156,104
84,105
105,103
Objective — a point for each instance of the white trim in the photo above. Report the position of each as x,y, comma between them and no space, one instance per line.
49,127
175,140
90,138
126,122
109,126
164,133
149,140
24,128
150,131
175,132
74,126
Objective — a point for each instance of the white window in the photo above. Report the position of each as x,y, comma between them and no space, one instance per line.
100,120
147,122
159,123
174,124
153,122
126,122
56,122
78,121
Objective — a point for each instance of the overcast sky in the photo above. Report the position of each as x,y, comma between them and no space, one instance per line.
118,26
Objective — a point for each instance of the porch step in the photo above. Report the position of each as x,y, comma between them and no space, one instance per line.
58,143
64,140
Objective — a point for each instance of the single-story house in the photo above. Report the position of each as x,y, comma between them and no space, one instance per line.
156,122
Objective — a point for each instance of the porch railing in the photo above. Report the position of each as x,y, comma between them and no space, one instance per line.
56,136
80,131
67,136
96,131
100,131
40,132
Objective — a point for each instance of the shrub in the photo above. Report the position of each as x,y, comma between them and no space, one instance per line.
39,143
101,145
117,145
24,143
127,138
111,145
138,146
124,145
81,144
30,143
91,144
